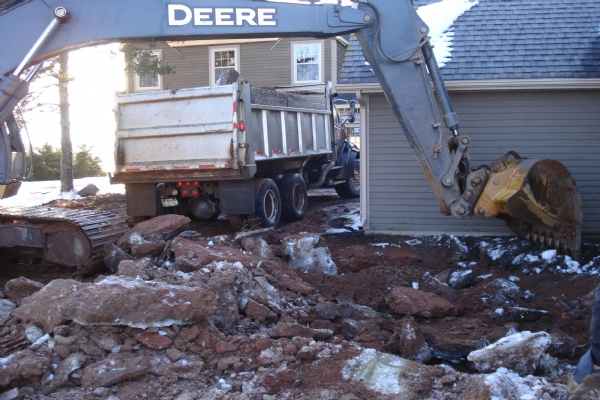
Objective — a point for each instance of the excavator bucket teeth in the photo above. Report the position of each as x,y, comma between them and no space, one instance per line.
538,199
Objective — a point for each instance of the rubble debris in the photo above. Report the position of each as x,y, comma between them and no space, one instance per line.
271,332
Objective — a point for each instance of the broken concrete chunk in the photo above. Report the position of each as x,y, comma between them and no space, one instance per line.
520,352
309,253
116,300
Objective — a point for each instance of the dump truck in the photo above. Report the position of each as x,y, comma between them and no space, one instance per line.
250,153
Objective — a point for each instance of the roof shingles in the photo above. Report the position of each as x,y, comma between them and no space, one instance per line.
525,39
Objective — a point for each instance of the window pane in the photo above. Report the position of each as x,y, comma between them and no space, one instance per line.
148,80
308,62
223,60
308,73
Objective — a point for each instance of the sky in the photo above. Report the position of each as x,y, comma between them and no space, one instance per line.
98,73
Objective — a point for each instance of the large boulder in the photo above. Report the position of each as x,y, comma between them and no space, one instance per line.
409,301
116,300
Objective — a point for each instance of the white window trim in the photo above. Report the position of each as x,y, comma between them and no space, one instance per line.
211,66
295,81
136,78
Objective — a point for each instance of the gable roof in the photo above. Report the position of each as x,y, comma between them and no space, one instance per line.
511,39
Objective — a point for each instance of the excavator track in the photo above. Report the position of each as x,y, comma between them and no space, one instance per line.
72,238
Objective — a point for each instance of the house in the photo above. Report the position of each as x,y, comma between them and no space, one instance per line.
523,75
271,62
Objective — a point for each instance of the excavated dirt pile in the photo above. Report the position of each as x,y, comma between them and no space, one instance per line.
310,310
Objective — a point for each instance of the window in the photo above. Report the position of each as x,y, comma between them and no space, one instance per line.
223,59
150,81
307,62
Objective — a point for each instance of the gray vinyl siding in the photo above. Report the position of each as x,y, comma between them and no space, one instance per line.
261,63
341,52
563,125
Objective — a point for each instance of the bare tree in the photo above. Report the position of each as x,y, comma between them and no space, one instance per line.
66,161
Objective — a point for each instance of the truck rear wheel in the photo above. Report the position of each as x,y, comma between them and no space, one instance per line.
268,202
350,188
294,197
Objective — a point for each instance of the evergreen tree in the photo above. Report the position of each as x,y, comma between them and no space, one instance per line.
46,163
47,160
86,164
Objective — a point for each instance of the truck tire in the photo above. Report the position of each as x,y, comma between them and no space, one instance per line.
294,197
268,202
350,188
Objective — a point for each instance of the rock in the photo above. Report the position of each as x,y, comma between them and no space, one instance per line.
308,353
23,364
154,340
19,288
289,329
34,332
328,311
257,246
116,300
227,362
187,367
148,248
89,190
6,308
174,354
408,342
409,301
104,340
166,227
290,280
61,377
259,312
309,253
461,279
113,370
349,328
223,286
520,352
388,374
113,255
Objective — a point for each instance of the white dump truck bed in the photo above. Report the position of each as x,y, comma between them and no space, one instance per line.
215,131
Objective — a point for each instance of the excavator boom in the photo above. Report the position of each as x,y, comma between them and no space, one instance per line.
543,203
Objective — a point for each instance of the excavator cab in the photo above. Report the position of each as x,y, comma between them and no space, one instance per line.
12,158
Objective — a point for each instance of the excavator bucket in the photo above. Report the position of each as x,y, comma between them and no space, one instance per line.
538,199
